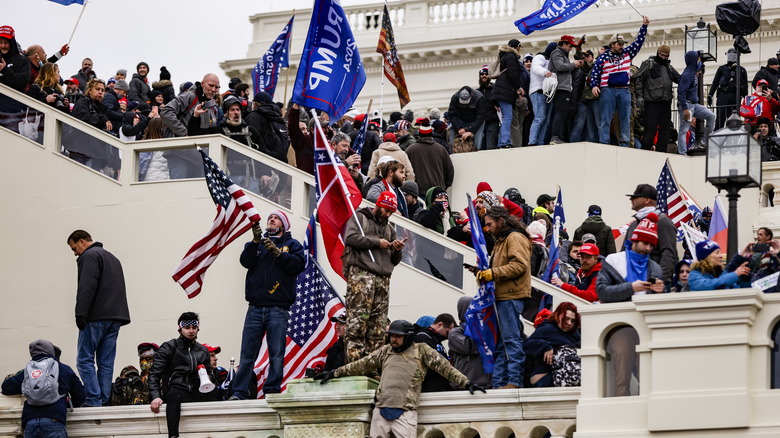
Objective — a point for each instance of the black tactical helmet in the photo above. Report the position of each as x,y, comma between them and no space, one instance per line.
401,327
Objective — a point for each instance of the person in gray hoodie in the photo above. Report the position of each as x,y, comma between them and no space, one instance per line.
464,352
560,64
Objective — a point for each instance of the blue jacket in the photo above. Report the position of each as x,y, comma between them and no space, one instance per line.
687,89
698,280
69,384
548,336
270,281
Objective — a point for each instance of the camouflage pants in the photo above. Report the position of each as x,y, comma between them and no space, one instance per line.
367,302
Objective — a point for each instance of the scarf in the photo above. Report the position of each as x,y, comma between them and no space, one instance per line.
636,266
643,212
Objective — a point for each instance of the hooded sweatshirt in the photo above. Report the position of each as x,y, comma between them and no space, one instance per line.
539,68
687,90
463,350
431,218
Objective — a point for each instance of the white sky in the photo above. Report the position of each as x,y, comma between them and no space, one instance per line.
189,37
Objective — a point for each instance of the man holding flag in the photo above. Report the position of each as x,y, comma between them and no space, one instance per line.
511,272
273,261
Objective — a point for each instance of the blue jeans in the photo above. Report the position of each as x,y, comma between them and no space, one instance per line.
97,343
45,428
490,140
611,100
542,111
510,343
504,139
700,113
271,323
586,125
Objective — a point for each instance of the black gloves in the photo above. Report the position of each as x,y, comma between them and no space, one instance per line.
325,376
271,247
81,322
709,100
473,386
257,232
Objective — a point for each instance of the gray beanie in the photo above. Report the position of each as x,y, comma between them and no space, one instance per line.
122,85
41,347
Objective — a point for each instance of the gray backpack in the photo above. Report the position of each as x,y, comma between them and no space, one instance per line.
41,382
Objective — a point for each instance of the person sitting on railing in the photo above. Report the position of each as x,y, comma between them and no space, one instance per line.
91,110
708,272
467,113
584,285
46,88
546,346
266,119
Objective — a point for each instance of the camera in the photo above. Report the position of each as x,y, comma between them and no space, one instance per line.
59,101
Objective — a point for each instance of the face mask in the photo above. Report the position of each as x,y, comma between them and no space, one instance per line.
731,57
273,231
40,63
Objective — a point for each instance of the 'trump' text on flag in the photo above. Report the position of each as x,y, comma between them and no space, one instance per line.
235,215
330,75
265,75
552,12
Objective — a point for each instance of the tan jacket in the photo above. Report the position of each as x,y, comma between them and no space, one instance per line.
511,266
392,149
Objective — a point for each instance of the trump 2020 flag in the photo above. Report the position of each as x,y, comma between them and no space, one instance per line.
719,229
553,12
481,320
331,74
235,215
265,75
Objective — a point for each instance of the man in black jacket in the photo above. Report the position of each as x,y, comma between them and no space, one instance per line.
725,84
266,119
273,262
174,375
654,93
770,73
101,309
467,112
14,71
491,127
433,336
505,92
47,420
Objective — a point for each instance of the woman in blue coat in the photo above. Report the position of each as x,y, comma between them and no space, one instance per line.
709,274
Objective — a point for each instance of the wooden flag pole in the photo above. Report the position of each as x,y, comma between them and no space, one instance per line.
287,75
370,101
77,22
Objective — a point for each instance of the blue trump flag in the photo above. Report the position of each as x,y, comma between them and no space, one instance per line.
68,2
360,140
331,74
553,267
265,75
553,12
481,320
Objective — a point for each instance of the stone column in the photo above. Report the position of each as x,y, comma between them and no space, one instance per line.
341,407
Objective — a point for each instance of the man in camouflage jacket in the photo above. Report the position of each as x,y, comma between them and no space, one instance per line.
404,365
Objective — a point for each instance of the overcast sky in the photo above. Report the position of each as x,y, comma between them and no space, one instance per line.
189,37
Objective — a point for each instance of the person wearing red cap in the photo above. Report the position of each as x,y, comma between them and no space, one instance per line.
273,261
585,283
760,104
371,253
560,63
14,72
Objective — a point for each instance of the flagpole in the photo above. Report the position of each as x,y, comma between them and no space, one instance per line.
77,22
344,187
287,75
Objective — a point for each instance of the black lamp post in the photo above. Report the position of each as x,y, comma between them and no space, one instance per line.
733,163
704,40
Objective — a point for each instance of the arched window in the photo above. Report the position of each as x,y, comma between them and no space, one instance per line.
622,365
775,360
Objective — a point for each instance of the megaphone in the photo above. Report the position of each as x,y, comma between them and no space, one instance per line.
205,382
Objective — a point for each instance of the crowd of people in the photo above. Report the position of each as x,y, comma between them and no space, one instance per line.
403,167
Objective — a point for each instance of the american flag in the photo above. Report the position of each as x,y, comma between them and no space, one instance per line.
235,215
481,320
337,197
670,200
310,331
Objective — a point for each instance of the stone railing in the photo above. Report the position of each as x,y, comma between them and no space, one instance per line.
341,408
